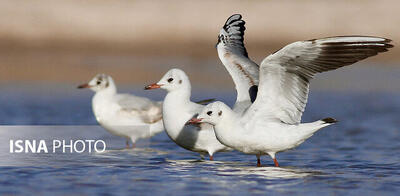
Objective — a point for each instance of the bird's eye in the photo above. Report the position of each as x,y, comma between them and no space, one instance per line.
98,82
170,80
209,113
219,113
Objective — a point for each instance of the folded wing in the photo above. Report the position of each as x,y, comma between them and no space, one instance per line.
145,109
285,75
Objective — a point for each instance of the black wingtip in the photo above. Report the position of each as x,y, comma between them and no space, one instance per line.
232,18
234,28
330,120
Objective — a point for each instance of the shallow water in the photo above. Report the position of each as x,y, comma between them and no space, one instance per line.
357,156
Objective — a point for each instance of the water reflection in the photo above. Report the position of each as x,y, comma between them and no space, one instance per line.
267,172
134,151
228,168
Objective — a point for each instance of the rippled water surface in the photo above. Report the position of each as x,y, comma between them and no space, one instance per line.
357,156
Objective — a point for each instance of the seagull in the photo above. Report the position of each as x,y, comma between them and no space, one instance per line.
178,109
271,124
124,115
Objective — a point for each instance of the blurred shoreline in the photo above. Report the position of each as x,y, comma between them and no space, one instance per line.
358,78
137,41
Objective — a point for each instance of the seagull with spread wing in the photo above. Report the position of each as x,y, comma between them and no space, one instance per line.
124,115
272,123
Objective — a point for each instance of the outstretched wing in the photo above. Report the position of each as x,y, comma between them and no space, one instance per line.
147,110
233,55
285,75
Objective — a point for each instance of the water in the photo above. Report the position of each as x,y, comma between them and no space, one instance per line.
357,156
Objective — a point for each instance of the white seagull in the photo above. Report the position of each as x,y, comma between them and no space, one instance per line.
124,115
272,123
178,109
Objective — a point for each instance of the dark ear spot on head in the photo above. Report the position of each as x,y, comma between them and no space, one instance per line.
180,81
107,84
219,113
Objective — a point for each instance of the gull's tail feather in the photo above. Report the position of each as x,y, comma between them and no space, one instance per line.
329,120
306,130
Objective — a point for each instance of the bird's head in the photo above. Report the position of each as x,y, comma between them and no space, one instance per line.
174,79
213,113
98,83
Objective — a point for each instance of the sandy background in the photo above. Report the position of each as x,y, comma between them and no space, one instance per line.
137,41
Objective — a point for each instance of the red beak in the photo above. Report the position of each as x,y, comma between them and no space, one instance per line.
195,121
152,86
84,86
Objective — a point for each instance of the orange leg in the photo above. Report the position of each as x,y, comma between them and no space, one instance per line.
258,161
211,158
276,163
128,146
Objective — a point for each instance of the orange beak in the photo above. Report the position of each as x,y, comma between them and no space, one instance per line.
152,86
84,86
195,121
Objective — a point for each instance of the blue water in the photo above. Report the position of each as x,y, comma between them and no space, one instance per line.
357,156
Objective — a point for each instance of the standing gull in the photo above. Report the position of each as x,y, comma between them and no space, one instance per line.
124,115
272,123
178,109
